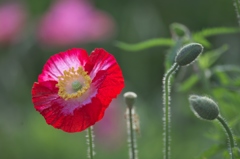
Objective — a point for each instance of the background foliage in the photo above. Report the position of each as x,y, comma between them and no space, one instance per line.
24,133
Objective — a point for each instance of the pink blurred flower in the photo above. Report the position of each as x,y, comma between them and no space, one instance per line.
70,22
12,18
111,130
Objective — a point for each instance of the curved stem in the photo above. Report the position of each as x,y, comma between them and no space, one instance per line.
166,109
229,134
90,142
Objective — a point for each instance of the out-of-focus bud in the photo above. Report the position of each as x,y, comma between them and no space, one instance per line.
179,31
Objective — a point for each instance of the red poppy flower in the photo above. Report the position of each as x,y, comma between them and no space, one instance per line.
74,89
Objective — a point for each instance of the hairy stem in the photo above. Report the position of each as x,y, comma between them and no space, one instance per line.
167,111
131,135
236,3
229,134
90,142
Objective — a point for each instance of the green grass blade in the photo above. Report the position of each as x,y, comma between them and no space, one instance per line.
188,83
211,152
202,41
209,58
215,31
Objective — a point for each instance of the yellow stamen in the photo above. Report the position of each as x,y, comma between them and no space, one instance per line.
66,90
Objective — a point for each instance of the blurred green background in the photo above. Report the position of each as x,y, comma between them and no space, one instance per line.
23,131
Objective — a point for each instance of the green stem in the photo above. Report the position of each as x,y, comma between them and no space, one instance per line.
90,142
237,6
167,113
229,134
131,135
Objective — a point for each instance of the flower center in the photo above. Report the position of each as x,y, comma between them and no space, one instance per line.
76,85
73,83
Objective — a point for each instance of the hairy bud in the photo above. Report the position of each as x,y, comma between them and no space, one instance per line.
130,98
204,107
188,53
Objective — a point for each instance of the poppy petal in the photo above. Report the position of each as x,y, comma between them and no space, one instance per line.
107,75
43,94
58,63
79,120
101,60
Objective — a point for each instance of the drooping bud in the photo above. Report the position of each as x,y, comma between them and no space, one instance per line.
204,107
179,30
188,53
130,98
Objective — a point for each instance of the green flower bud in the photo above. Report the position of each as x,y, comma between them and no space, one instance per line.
188,53
130,98
204,107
